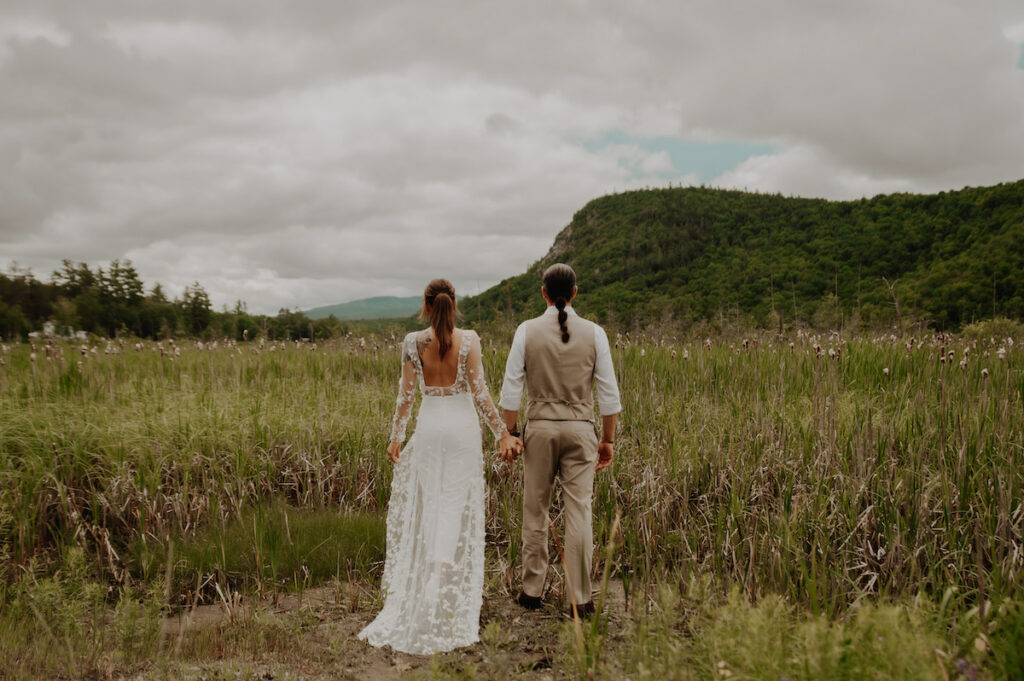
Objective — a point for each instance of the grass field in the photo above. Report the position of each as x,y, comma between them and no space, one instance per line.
802,507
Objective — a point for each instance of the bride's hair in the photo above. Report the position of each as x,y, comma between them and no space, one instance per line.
560,283
439,299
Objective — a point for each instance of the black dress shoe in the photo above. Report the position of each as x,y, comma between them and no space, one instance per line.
584,610
529,602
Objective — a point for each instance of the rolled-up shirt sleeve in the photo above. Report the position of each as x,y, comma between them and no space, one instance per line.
515,372
608,402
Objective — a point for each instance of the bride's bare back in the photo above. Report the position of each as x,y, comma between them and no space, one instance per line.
438,371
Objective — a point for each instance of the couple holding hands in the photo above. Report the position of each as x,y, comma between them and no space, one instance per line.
434,565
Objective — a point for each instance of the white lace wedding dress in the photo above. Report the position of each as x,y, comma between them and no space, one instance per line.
434,566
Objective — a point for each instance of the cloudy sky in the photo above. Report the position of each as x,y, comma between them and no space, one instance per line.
294,154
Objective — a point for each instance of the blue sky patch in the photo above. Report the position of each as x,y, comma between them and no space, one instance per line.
707,160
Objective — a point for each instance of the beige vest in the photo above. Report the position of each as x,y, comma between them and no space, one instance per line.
559,376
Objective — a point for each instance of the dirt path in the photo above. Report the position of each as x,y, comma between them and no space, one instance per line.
312,635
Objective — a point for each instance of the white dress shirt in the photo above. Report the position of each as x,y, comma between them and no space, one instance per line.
604,373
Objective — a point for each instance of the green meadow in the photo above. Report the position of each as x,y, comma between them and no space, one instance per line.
782,507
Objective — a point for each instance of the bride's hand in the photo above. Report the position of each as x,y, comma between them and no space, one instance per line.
393,450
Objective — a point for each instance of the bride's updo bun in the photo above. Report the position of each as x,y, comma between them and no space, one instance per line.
560,284
440,308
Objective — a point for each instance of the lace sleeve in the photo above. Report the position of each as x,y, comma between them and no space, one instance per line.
406,394
478,386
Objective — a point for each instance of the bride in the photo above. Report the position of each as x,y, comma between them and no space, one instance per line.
434,567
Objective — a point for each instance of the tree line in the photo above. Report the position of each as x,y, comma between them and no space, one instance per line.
112,301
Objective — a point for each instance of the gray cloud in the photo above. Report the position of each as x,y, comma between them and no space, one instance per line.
301,153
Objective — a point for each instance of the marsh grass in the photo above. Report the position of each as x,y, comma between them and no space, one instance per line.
836,476
730,637
64,626
822,479
269,547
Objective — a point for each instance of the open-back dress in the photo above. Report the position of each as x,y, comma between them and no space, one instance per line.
434,566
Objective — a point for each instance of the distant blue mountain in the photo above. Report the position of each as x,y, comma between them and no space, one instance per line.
381,307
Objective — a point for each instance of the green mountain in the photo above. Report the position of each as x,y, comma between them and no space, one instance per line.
381,307
694,253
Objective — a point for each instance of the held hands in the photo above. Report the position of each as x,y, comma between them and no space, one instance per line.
509,448
605,454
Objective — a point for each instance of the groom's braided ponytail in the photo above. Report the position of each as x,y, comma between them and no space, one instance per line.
560,285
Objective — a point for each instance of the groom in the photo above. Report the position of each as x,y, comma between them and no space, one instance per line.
560,357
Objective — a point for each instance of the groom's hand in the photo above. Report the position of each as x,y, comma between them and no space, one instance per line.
606,448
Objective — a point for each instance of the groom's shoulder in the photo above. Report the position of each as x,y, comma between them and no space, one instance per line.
589,323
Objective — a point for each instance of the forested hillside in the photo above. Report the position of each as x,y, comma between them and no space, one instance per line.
692,253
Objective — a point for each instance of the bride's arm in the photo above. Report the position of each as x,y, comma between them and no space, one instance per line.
478,385
403,404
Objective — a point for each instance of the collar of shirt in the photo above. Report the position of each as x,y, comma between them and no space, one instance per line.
554,310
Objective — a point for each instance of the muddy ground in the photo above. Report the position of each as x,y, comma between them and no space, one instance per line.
312,635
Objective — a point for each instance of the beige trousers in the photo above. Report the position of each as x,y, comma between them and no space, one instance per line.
567,449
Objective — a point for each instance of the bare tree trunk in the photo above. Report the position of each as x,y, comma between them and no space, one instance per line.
895,300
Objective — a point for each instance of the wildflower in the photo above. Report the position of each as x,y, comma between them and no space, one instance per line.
1001,353
32,357
963,362
984,373
673,354
791,346
643,352
885,371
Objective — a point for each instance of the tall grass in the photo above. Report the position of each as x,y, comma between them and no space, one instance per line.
879,470
816,469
